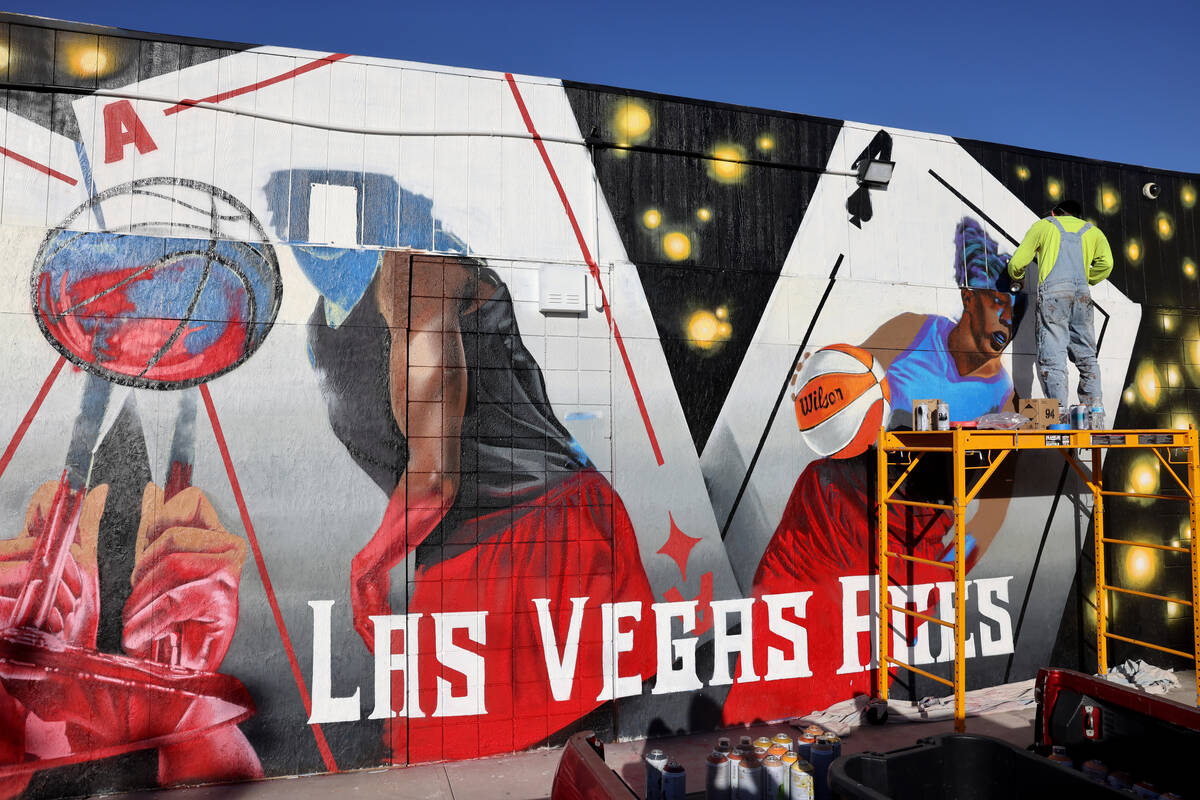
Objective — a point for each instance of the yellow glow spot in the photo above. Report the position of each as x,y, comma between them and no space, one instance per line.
1149,384
631,120
1108,200
765,143
652,218
722,312
1129,396
1143,477
1022,173
702,329
1140,564
1168,322
1173,376
1185,531
1181,421
704,214
1164,226
1187,195
727,166
1133,251
621,150
1189,268
677,246
724,329
1054,189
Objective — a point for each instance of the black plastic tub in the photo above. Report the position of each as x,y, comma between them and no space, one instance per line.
960,766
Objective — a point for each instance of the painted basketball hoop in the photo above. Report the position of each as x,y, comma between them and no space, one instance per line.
181,285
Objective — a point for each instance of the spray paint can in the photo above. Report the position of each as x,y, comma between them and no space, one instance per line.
723,746
834,741
745,745
674,781
776,749
943,417
1146,789
822,757
1059,753
656,760
803,785
716,776
763,741
804,745
1079,417
1119,780
1095,770
773,776
783,739
814,730
735,764
921,418
749,785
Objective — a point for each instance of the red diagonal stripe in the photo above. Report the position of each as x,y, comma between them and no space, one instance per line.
592,266
29,162
30,414
268,587
254,87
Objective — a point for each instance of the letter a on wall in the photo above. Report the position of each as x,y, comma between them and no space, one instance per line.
122,126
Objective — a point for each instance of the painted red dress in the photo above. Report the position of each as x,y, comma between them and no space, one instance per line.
827,532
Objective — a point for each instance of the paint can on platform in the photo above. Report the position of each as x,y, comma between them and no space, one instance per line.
783,739
802,784
674,781
749,785
656,760
942,418
1118,779
822,757
1095,770
1059,753
1145,789
774,777
1079,417
716,776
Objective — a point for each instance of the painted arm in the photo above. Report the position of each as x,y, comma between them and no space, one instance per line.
419,298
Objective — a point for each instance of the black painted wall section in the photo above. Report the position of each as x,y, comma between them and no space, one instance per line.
739,217
1156,246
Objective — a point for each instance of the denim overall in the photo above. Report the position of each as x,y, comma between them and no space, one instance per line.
1064,323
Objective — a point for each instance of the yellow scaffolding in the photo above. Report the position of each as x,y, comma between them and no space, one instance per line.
907,448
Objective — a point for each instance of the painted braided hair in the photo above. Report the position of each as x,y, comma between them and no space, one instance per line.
978,262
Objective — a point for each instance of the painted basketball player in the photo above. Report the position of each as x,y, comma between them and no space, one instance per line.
430,388
826,528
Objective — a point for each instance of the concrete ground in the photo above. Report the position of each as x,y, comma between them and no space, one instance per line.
528,776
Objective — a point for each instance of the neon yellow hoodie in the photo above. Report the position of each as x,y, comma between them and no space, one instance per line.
1042,241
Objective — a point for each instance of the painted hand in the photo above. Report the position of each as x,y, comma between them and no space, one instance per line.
75,615
184,606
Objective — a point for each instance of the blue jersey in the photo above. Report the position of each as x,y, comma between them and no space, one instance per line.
926,369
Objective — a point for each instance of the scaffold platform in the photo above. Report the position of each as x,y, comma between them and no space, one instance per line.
1177,450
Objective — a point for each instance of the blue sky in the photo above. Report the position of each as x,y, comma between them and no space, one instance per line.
1107,80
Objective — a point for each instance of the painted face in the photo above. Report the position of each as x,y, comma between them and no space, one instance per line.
988,315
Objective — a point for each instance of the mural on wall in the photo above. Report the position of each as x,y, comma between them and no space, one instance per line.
382,413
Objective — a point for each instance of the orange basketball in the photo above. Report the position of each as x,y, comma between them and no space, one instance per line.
841,399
